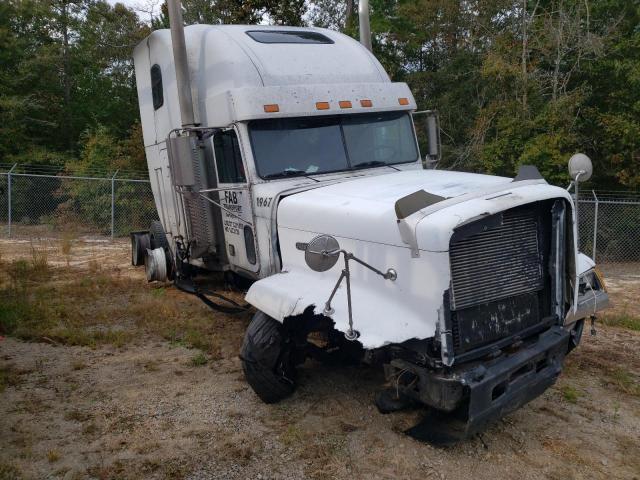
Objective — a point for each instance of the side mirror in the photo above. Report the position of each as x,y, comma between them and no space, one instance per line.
430,126
322,253
580,167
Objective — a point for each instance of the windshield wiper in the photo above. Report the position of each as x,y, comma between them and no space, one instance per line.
373,163
290,172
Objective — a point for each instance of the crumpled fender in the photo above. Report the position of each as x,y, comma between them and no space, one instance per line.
384,311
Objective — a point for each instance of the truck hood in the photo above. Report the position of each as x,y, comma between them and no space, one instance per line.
361,215
364,208
387,188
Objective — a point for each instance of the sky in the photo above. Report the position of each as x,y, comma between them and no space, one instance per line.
143,7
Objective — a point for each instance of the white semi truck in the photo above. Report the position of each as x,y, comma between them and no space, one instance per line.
287,157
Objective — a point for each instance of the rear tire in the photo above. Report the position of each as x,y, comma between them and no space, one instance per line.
267,359
157,236
158,239
140,242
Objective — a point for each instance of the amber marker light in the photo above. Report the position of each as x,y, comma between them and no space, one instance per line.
322,105
344,104
271,108
403,101
600,278
366,103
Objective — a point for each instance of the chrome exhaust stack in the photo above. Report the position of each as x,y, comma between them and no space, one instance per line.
365,26
186,150
183,81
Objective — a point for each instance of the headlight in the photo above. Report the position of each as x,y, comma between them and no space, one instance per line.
591,280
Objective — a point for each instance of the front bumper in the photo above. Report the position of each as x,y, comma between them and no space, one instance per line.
475,395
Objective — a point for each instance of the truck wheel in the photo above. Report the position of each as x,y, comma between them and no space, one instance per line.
157,236
267,360
158,239
140,241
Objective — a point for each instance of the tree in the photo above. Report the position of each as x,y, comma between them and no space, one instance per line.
514,81
66,66
285,12
335,15
104,90
31,105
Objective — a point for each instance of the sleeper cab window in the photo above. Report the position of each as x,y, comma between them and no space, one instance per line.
228,157
156,87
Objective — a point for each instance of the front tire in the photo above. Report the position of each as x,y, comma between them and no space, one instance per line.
267,359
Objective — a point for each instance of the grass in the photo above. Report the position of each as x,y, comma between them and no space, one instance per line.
66,243
570,394
8,377
149,365
158,292
624,381
40,262
97,307
78,365
76,415
610,368
324,452
240,447
291,436
53,456
89,429
9,472
622,320
631,447
19,277
198,360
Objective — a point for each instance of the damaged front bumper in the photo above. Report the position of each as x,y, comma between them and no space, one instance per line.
467,398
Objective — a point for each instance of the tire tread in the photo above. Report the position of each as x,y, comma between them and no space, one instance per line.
263,336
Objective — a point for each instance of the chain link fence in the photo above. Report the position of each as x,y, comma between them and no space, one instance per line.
610,226
43,201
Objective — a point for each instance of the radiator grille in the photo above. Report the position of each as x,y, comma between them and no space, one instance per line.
503,261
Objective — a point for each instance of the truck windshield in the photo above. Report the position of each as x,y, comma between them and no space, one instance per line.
302,146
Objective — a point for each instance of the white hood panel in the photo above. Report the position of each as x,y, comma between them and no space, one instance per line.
360,214
364,208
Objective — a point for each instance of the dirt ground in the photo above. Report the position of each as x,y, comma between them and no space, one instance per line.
76,402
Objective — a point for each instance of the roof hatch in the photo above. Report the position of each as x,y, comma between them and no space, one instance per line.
288,36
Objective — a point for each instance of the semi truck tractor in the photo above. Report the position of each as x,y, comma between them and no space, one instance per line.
287,157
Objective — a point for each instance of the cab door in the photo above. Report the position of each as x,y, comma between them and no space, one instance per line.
237,217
